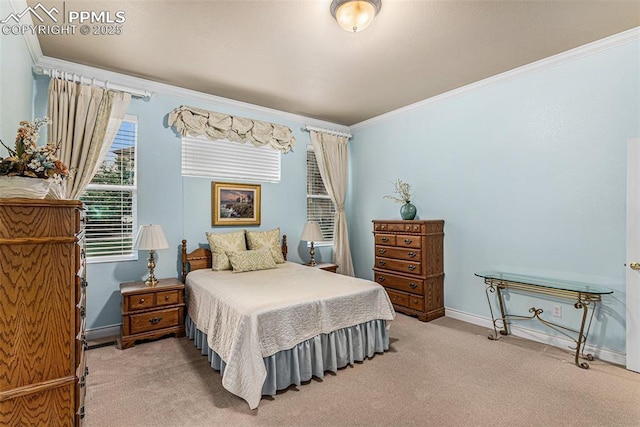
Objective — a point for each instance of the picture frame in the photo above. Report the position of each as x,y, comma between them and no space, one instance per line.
235,204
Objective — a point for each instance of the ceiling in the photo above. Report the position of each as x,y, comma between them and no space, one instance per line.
291,55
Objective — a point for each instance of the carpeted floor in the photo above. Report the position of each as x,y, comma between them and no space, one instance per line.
441,373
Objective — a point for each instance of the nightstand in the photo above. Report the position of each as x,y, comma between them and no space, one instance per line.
325,266
151,312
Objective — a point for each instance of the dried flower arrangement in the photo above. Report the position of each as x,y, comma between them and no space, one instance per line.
403,189
30,160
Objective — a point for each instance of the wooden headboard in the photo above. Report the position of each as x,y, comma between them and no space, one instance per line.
201,257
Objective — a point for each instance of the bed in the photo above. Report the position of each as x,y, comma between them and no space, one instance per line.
269,329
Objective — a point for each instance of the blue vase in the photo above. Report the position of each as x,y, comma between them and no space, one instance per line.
408,211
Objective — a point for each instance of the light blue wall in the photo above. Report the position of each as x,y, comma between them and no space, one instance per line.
183,205
529,175
16,83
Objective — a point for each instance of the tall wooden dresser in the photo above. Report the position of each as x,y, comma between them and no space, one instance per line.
42,312
409,264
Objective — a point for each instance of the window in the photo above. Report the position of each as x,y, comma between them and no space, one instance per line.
319,205
224,159
111,199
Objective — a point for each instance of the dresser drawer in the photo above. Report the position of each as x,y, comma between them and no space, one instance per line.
399,253
154,320
398,298
407,267
408,241
140,301
168,297
386,239
416,303
401,283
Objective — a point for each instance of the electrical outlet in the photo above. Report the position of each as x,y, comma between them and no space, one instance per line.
557,311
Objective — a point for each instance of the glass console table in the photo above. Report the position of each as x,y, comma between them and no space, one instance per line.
584,295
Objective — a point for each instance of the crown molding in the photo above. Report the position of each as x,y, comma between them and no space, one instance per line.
534,67
33,45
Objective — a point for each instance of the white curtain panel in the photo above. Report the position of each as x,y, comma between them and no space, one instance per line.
332,158
80,117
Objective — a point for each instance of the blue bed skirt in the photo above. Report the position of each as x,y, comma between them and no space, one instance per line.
313,357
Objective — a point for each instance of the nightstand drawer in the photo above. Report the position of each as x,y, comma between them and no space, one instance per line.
168,297
140,301
154,320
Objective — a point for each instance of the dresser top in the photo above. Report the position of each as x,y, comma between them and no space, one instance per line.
39,202
407,221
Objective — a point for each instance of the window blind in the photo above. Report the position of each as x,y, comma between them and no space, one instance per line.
320,208
223,159
111,198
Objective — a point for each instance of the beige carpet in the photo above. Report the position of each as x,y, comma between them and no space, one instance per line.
442,373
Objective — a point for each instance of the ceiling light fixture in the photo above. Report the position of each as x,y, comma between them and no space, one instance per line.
355,15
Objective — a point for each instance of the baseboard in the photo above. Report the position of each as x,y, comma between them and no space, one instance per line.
103,332
601,353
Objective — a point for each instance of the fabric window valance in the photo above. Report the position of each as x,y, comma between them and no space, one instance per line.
196,122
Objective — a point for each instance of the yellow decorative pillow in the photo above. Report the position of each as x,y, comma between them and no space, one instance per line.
243,261
266,240
220,244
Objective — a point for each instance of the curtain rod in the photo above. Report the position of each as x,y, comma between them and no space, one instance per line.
329,131
80,78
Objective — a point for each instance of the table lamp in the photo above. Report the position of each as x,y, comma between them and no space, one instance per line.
151,237
312,233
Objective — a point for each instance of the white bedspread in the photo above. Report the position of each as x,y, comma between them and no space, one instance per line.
248,316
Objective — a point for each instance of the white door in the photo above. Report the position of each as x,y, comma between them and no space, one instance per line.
633,255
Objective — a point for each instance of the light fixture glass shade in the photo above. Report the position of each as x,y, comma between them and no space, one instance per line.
312,232
355,15
151,237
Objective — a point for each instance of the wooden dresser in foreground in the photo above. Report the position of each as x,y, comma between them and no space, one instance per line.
151,312
42,312
409,264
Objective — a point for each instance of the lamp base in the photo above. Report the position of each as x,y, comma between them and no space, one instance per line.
151,265
312,252
151,281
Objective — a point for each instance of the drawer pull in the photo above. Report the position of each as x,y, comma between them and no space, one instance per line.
381,262
408,241
166,297
413,285
411,267
155,320
84,283
381,251
141,301
415,301
381,278
385,239
412,254
83,312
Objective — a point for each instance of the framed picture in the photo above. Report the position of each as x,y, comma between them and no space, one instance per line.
235,204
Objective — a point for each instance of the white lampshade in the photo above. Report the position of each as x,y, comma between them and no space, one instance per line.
312,232
355,15
151,237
